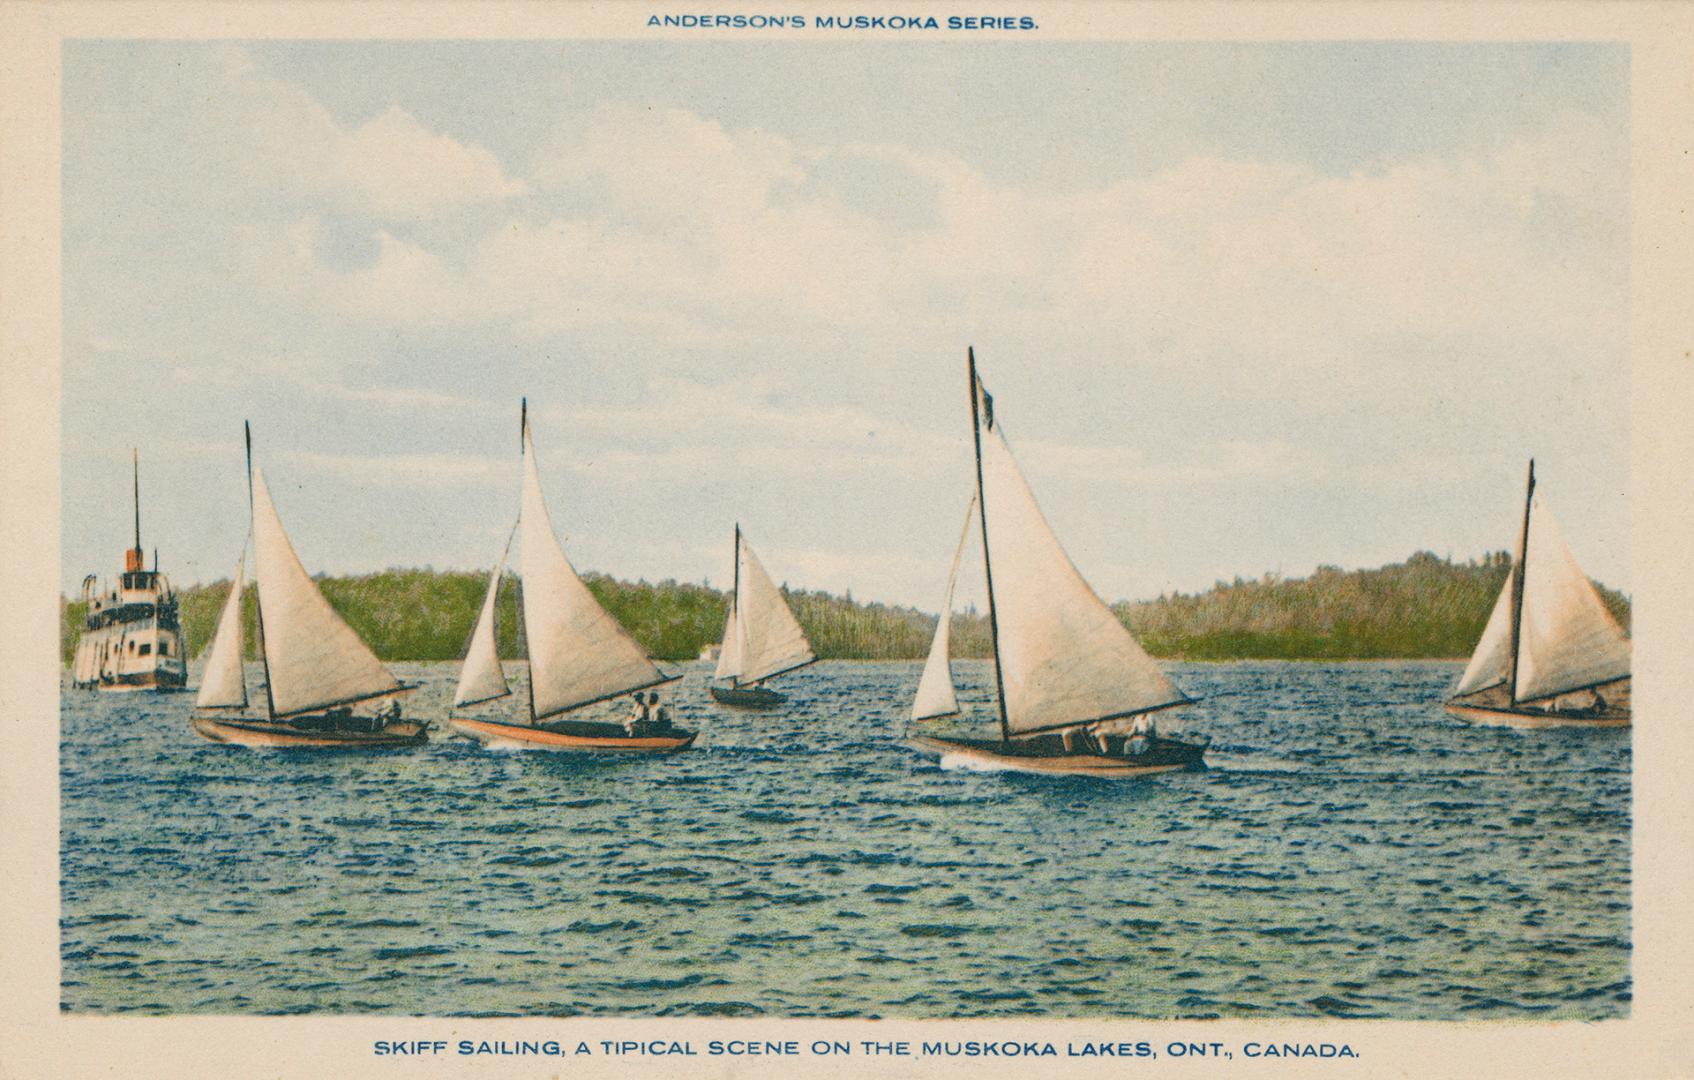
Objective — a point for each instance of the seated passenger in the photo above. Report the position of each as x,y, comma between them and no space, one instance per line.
637,717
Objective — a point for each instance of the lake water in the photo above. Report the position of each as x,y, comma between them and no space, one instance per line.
1353,851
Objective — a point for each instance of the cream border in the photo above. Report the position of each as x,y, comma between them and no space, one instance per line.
36,1041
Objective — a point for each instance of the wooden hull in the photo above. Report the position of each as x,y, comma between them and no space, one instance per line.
748,697
1535,718
576,736
992,754
253,731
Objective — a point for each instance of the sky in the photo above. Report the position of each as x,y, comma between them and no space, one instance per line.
1244,308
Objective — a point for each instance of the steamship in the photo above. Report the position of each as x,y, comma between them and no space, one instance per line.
131,635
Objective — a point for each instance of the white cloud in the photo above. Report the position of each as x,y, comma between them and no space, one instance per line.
390,166
701,234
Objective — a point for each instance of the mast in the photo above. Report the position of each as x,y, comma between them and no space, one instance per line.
258,604
987,563
523,448
135,560
1517,582
735,599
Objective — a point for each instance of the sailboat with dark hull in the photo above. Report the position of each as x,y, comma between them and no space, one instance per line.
1074,689
579,655
1551,655
761,637
323,685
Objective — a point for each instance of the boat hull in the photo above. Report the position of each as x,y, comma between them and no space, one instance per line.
253,731
162,681
1535,718
1166,755
575,736
747,697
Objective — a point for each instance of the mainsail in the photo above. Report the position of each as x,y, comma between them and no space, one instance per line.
1064,658
313,659
767,639
481,678
935,696
1567,638
222,684
578,653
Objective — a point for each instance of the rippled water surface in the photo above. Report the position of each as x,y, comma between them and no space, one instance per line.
1353,851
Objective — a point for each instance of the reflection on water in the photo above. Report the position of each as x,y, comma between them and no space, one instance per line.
1353,851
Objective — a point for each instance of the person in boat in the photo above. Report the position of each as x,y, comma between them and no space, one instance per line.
660,713
637,718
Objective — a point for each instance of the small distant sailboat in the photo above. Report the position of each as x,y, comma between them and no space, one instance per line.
323,685
1551,654
578,653
1073,686
761,637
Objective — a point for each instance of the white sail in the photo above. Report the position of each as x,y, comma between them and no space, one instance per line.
223,684
1065,659
771,641
313,659
729,651
1567,638
935,696
481,678
1491,662
578,653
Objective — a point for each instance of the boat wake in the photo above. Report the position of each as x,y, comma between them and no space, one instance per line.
968,763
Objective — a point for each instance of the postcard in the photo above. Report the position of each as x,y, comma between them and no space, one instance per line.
763,539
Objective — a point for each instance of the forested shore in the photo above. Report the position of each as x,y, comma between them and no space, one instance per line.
1425,607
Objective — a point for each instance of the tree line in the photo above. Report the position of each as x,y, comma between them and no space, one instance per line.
1425,607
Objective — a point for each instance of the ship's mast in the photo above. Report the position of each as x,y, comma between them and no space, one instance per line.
1518,579
987,563
735,603
258,595
523,448
135,560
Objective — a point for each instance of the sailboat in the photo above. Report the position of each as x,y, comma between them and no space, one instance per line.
1074,689
578,653
323,685
1551,655
761,638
